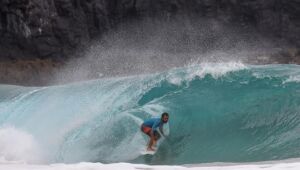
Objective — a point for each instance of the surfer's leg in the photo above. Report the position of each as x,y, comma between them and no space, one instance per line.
156,135
147,131
151,143
156,138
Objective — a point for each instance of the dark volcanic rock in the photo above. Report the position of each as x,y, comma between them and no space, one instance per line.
56,28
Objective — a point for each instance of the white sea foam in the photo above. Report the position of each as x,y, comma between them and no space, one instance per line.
18,146
295,78
279,165
216,70
290,73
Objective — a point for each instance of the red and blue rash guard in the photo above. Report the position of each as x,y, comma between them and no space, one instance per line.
152,123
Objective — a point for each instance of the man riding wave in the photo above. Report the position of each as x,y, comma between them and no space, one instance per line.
151,126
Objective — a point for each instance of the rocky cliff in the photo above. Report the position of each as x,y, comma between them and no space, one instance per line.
56,28
41,34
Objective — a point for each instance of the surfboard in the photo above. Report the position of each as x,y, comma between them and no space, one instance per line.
146,152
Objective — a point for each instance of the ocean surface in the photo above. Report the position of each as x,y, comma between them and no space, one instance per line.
219,112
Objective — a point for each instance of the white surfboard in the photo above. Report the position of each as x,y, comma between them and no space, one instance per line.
145,152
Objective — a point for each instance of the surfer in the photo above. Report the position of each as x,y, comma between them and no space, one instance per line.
149,127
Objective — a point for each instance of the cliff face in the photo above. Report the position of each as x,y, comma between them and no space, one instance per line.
48,28
56,28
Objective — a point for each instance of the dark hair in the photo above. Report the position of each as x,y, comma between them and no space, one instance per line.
165,114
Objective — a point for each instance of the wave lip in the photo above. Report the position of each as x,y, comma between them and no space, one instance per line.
192,71
218,69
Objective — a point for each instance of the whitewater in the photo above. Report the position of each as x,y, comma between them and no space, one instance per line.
222,116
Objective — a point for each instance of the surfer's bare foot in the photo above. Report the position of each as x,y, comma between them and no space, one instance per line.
150,149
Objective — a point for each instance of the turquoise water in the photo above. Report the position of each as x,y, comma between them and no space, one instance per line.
226,112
